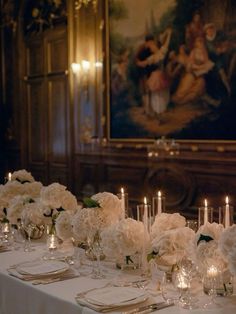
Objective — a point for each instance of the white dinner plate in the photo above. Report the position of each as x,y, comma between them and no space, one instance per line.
36,268
116,296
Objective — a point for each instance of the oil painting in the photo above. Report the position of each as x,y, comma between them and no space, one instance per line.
171,69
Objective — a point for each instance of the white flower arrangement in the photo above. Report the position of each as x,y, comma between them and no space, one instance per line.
100,211
125,238
57,198
227,245
206,247
10,190
110,205
16,207
169,248
32,213
63,225
22,176
164,222
87,222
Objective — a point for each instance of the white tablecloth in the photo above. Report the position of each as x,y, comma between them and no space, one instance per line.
20,297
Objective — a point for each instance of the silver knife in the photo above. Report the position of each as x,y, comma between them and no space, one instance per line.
149,308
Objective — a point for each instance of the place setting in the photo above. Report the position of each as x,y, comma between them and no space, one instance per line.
42,272
126,299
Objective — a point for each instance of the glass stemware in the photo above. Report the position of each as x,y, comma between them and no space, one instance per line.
93,241
187,270
29,231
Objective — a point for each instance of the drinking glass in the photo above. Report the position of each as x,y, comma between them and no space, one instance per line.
169,289
93,241
29,228
211,279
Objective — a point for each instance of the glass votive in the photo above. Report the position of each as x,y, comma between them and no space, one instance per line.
6,231
226,215
144,215
124,197
192,224
158,205
205,214
52,243
219,283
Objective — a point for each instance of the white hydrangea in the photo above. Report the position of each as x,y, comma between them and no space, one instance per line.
111,206
124,238
227,245
87,222
63,225
15,208
10,190
56,196
32,213
33,189
164,222
172,245
206,247
22,176
212,230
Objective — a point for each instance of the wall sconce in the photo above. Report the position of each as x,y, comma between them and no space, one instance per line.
82,70
76,67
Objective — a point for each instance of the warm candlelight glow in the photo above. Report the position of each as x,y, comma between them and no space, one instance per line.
227,200
85,65
205,202
9,176
159,193
122,191
212,271
52,242
145,200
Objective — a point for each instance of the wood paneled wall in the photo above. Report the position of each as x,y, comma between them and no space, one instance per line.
47,113
52,108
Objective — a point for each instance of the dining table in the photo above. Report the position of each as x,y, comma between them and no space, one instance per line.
59,296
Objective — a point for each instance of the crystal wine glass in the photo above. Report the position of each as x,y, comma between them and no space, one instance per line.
29,228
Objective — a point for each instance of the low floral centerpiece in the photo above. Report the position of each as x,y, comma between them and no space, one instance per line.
99,211
170,240
125,241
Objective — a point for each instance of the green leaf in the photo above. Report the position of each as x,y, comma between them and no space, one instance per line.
205,238
90,203
151,256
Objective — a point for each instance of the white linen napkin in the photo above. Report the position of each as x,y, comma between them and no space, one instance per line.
112,298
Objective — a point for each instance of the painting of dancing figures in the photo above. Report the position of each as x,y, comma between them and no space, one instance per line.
172,69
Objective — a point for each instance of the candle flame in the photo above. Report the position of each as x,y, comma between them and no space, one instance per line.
227,200
159,193
9,176
205,202
122,190
145,200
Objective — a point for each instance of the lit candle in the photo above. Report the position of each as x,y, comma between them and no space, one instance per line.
123,202
227,218
212,271
159,203
9,176
52,242
6,228
182,283
145,214
205,212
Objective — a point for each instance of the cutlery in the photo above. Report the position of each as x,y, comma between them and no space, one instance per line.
149,308
52,280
